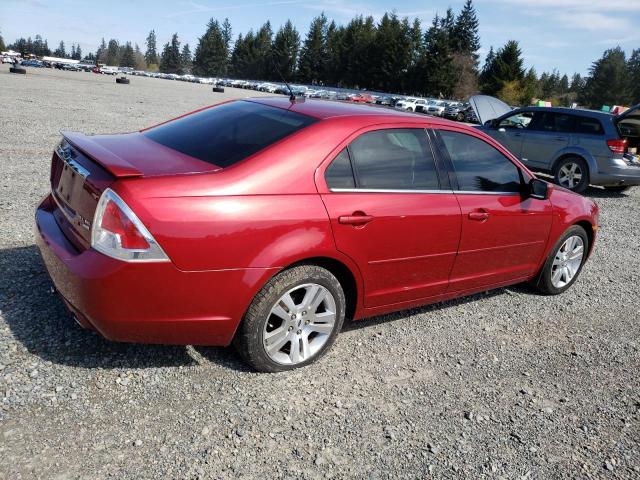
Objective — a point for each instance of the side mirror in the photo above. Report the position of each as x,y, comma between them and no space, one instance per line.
538,189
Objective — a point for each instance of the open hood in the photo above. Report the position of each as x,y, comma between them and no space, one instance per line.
487,108
633,112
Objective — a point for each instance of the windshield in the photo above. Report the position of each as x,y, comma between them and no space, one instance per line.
225,134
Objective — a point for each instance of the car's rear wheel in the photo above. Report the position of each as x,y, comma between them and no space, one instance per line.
293,320
572,173
565,262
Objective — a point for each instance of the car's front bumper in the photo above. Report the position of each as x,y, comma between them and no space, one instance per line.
145,302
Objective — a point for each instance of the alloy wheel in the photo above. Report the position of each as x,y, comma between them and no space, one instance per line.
570,175
299,324
567,261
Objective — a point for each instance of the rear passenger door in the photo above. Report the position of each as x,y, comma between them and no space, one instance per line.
394,214
504,232
548,133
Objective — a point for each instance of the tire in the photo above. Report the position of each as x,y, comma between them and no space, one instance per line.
123,80
566,172
259,321
218,89
18,70
617,188
460,117
545,282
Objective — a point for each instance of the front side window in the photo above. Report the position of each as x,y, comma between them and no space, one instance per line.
479,167
519,120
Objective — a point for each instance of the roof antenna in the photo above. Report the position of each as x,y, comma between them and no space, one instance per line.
292,96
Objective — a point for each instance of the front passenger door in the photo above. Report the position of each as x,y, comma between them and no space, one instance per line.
504,232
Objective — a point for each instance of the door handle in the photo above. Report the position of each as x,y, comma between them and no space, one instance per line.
479,216
517,134
357,218
560,139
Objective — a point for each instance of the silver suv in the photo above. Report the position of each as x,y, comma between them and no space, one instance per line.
578,147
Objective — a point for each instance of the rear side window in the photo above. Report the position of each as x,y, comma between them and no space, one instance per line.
394,159
479,167
340,174
228,133
589,125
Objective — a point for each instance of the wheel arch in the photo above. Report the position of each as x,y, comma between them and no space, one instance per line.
582,154
588,228
345,275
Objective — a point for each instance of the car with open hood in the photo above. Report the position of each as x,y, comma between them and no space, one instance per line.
266,222
578,147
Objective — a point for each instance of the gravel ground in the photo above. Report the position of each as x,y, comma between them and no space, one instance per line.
506,384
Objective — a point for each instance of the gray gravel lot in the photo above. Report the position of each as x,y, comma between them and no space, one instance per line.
507,384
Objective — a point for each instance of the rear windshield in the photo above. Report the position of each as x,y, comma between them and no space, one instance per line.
228,133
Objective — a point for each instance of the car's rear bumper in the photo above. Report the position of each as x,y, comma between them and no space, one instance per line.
145,302
617,175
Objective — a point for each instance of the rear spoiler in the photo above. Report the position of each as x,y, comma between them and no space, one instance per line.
114,164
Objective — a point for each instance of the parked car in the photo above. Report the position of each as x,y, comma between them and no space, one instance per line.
294,215
578,147
436,107
456,111
411,104
361,98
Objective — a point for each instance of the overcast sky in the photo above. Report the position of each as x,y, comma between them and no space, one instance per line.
563,34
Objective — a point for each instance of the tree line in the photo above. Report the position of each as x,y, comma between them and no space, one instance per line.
393,54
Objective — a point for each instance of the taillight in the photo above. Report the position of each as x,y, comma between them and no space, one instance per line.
617,145
119,233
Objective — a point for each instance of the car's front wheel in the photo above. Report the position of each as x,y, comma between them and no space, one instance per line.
572,173
293,320
565,262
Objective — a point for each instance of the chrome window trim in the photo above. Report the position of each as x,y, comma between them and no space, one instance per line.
384,190
387,190
474,192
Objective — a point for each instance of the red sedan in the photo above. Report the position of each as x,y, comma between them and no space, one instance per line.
361,98
267,222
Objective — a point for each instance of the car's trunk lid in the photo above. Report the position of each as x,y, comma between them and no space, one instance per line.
84,166
487,108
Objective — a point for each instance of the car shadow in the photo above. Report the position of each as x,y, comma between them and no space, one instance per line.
39,321
595,192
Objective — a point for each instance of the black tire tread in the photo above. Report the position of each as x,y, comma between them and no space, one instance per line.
248,340
582,186
543,283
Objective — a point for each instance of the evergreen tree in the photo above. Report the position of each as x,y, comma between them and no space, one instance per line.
171,61
608,82
577,83
634,76
127,58
211,56
437,68
286,46
227,35
141,63
465,37
59,52
505,66
391,49
263,43
2,45
313,55
356,62
73,50
112,55
101,51
243,58
45,49
151,55
185,57
530,88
